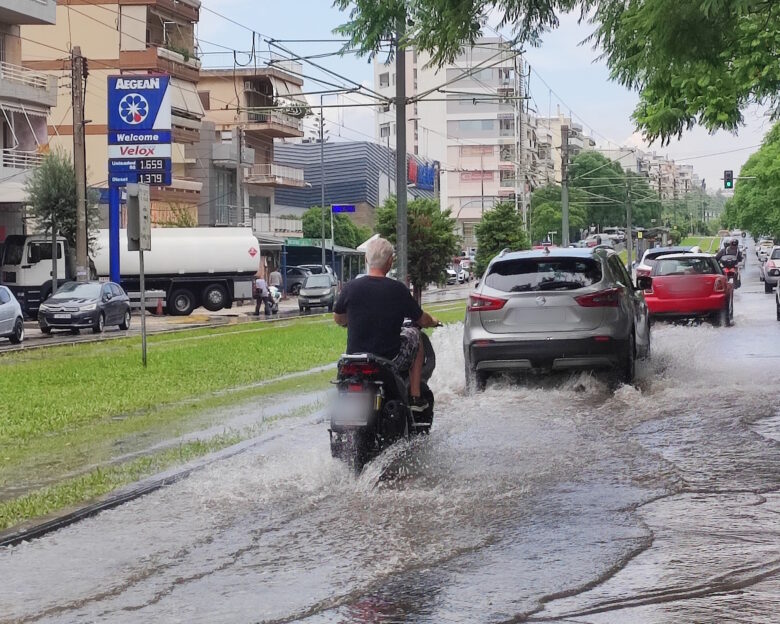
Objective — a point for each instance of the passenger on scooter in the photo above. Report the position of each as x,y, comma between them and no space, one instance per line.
732,249
373,310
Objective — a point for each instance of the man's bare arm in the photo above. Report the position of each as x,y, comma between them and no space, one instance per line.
341,319
426,320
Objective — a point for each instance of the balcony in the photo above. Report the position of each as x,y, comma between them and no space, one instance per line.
225,155
226,215
281,227
188,10
37,12
273,123
276,175
25,85
158,58
15,159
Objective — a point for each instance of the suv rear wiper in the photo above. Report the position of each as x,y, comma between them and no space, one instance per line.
559,285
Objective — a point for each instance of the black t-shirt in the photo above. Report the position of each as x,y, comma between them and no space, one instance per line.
376,308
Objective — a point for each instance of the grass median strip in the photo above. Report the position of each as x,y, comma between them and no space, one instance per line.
74,410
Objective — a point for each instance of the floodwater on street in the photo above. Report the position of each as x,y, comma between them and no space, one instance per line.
549,500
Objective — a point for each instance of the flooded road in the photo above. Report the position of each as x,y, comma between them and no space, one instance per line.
555,500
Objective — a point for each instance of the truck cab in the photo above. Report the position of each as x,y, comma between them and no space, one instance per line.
26,268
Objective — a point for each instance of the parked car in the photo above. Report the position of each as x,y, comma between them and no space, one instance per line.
11,317
463,275
689,286
316,269
318,291
87,305
452,276
650,257
769,271
557,309
296,276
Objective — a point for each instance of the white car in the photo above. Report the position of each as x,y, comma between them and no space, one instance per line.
452,276
11,318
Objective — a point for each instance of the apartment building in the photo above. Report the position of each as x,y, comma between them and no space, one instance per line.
253,107
26,97
474,125
123,37
551,128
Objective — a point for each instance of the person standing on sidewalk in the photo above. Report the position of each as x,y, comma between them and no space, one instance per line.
275,279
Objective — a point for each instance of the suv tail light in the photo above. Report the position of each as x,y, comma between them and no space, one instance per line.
719,286
770,264
481,303
609,298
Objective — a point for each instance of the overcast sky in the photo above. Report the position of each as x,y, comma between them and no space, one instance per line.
564,74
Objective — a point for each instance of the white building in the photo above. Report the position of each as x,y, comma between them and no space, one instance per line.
468,115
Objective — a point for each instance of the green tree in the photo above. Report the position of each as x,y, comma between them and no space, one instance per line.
547,212
432,239
348,234
697,61
602,183
51,193
691,61
179,216
756,204
500,228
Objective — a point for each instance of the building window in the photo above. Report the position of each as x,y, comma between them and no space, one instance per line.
476,150
384,130
205,99
384,80
506,127
476,176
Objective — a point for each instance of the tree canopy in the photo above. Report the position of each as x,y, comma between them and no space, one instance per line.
51,193
432,239
756,203
692,61
547,213
500,228
348,233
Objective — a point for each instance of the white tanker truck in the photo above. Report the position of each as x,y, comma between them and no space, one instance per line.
211,267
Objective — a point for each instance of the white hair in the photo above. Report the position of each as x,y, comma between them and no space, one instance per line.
378,252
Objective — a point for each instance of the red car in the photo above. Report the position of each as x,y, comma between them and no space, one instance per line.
689,286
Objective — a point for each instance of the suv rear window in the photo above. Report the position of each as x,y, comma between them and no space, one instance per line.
775,254
543,274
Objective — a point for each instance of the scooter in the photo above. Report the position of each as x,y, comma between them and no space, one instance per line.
276,296
371,409
730,268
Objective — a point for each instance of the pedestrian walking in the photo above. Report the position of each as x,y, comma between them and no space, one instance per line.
262,296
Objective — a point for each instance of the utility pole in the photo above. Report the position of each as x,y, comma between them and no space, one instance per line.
322,180
389,165
79,161
565,186
482,182
402,242
629,226
521,131
239,174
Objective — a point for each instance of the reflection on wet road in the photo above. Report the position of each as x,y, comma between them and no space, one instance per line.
553,500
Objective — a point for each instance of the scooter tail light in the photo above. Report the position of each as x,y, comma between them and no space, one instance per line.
359,369
609,298
481,303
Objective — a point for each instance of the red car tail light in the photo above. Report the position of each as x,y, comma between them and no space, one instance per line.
719,286
609,298
481,303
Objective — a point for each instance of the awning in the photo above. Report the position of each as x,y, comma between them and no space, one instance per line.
288,91
185,99
364,245
12,192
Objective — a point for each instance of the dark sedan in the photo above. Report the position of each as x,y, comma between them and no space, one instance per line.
88,305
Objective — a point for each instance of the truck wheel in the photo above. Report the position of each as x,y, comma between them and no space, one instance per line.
214,297
182,302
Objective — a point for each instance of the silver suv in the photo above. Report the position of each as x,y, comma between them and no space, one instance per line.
555,309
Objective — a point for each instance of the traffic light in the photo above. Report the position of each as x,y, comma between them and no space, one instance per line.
728,179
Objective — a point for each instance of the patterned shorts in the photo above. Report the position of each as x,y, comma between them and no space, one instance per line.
410,343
